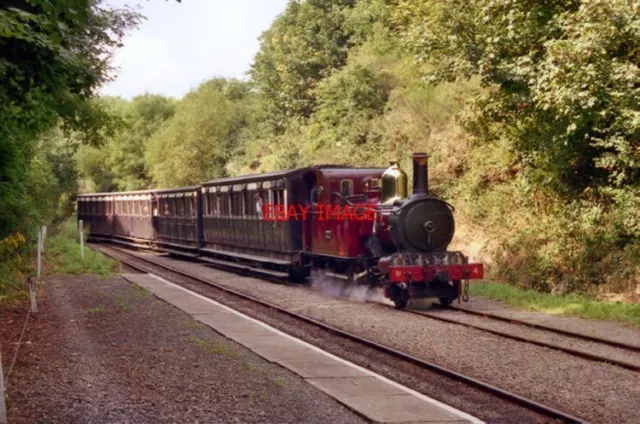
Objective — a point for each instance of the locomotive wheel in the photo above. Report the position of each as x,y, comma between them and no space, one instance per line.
297,274
401,299
401,303
445,301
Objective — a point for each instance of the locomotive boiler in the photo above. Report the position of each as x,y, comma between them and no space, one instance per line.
421,228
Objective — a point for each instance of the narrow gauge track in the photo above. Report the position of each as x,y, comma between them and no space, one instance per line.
569,350
614,343
133,261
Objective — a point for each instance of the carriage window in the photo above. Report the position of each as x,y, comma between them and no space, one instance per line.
222,204
260,198
165,209
184,206
251,202
245,203
192,206
236,204
184,202
346,187
278,197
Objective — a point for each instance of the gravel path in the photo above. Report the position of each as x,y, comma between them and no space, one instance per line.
107,351
595,391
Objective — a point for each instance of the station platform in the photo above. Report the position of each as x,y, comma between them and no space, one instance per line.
371,395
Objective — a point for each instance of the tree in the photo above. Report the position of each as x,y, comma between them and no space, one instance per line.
565,75
301,47
209,124
53,56
140,119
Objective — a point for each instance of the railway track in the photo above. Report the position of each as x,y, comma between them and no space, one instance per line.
148,265
579,336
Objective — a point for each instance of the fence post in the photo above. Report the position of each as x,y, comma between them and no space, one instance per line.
32,295
39,251
80,229
3,411
44,236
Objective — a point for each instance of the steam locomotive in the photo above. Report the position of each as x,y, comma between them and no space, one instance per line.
358,225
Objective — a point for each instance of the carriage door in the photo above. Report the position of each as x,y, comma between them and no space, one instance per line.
310,180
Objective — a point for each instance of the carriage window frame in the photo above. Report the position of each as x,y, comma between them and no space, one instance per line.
236,204
349,184
245,203
220,210
208,197
166,206
260,193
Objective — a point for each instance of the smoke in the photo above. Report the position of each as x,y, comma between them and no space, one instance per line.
337,288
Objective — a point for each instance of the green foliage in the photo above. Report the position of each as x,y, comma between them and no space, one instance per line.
210,124
14,267
53,56
96,176
565,74
52,180
141,119
62,254
120,164
303,45
579,306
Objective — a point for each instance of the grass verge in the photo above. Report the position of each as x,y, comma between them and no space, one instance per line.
571,305
62,254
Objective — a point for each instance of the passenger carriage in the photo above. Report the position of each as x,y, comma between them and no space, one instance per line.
96,212
124,215
178,219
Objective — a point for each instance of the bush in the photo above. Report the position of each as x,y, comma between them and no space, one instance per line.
62,254
14,267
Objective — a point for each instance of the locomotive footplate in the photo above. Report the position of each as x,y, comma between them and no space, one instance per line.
428,273
426,281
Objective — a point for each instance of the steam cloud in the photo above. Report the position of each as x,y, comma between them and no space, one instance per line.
335,288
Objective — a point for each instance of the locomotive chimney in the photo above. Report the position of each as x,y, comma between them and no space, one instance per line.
420,174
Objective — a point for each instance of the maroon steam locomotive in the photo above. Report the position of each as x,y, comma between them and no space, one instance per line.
355,224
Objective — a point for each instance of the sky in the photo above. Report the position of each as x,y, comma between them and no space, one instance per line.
181,45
